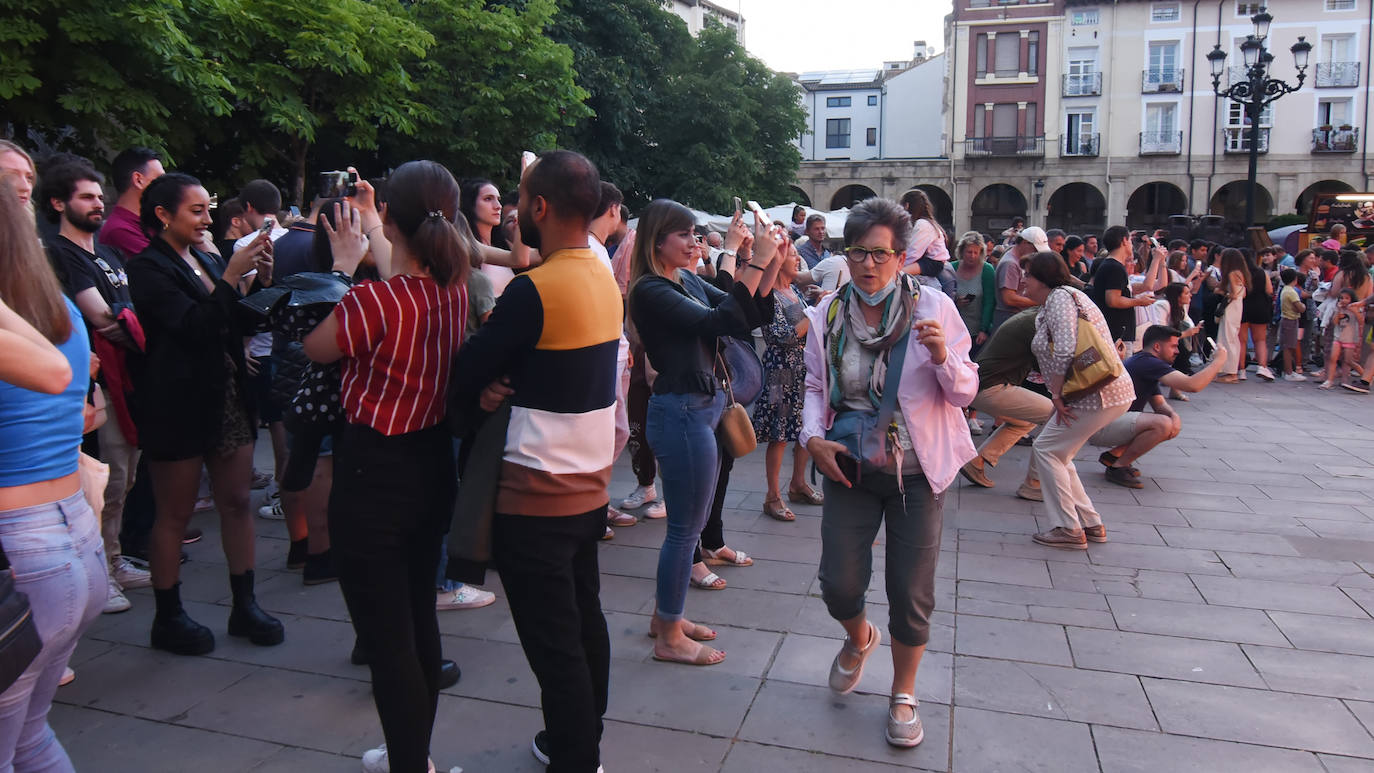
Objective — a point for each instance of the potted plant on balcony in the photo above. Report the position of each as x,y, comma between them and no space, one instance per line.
1345,127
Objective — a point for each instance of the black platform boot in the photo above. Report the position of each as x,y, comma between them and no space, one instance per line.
247,618
174,630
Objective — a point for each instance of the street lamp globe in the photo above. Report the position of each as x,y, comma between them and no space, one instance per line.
1301,50
1250,50
1262,21
1217,58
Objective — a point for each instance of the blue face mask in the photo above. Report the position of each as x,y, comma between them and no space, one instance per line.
873,299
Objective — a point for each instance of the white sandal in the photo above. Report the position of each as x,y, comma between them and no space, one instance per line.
904,734
844,680
714,558
709,582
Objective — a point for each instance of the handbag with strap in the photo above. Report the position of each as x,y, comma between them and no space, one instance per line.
19,639
1095,363
868,435
735,430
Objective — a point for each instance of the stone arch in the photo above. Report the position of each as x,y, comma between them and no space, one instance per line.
1303,206
799,196
850,195
1151,204
1077,208
995,206
1229,202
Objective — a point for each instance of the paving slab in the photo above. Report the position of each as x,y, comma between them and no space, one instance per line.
1193,660
1198,621
1133,751
1052,691
994,742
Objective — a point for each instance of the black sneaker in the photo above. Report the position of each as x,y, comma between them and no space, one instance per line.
1357,386
540,747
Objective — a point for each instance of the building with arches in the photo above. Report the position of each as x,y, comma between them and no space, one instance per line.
1079,114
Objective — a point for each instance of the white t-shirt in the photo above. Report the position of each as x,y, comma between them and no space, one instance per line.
830,274
259,345
500,276
623,354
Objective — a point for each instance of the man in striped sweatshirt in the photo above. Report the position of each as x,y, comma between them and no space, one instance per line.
550,348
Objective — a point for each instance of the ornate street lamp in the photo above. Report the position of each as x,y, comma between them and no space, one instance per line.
1258,89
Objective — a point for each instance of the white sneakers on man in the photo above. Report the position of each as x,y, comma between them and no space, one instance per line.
115,601
465,597
129,576
641,496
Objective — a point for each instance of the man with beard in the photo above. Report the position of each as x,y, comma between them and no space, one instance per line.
550,349
93,276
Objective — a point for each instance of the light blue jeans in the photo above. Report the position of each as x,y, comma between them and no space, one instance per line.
681,429
58,559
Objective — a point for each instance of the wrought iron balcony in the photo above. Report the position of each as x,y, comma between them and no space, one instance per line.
1161,143
1237,139
1340,140
1160,80
1079,145
1087,84
1337,74
1004,147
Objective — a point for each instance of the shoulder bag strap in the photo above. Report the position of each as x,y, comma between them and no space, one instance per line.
894,377
725,371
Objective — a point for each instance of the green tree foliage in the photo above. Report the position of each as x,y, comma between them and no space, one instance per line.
236,89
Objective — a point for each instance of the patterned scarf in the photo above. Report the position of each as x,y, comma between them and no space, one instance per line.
845,322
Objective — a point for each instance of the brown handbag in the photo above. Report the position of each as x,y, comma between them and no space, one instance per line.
735,432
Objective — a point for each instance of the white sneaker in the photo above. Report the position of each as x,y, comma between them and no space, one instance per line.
1265,373
1294,377
376,761
656,510
271,508
68,676
1241,375
129,576
466,597
641,496
115,602
975,427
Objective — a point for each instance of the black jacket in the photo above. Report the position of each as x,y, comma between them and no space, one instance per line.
180,382
679,325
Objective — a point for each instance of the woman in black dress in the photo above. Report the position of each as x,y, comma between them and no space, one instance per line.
1255,316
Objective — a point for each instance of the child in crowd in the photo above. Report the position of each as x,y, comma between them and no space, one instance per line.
1291,309
1348,323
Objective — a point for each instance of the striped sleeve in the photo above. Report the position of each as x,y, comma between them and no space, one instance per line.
360,319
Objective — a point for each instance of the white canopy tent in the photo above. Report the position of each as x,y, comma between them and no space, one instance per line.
834,221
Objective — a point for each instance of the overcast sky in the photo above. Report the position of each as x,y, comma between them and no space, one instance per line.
801,35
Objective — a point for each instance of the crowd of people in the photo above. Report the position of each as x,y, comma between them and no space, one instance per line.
432,357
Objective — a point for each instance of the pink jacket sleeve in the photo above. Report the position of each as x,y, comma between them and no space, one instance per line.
814,401
958,375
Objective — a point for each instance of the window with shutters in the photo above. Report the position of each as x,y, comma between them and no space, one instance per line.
1007,63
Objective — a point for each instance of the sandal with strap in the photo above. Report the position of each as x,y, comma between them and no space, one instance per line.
716,557
806,496
844,680
778,513
904,734
704,657
711,581
697,633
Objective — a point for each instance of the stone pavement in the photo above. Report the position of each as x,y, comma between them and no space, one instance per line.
1226,626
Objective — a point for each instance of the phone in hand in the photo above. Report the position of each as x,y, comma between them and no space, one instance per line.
759,215
268,223
1211,342
738,209
849,466
338,184
527,158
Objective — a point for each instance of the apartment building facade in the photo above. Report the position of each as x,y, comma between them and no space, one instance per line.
1078,114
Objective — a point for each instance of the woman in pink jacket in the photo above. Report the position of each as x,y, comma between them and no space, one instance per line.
885,318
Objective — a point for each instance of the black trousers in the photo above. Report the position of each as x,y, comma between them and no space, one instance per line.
713,534
391,501
637,409
548,567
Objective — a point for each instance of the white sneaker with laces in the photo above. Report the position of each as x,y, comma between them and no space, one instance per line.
1241,375
656,510
1294,377
975,427
641,496
115,602
377,761
465,597
129,576
271,508
1265,373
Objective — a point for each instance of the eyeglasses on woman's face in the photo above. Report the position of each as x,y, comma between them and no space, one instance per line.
857,254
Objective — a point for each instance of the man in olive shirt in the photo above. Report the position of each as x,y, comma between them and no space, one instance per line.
1003,364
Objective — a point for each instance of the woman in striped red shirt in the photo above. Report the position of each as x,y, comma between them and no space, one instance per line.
394,479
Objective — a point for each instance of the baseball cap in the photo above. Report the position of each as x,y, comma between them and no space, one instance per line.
1332,244
1036,236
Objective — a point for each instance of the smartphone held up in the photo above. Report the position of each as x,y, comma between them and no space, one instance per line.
337,185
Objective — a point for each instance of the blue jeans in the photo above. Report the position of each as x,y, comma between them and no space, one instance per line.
59,561
681,429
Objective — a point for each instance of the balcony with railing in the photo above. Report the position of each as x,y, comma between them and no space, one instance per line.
1085,84
1337,74
1161,143
1343,139
1082,145
1236,139
1161,80
1004,147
